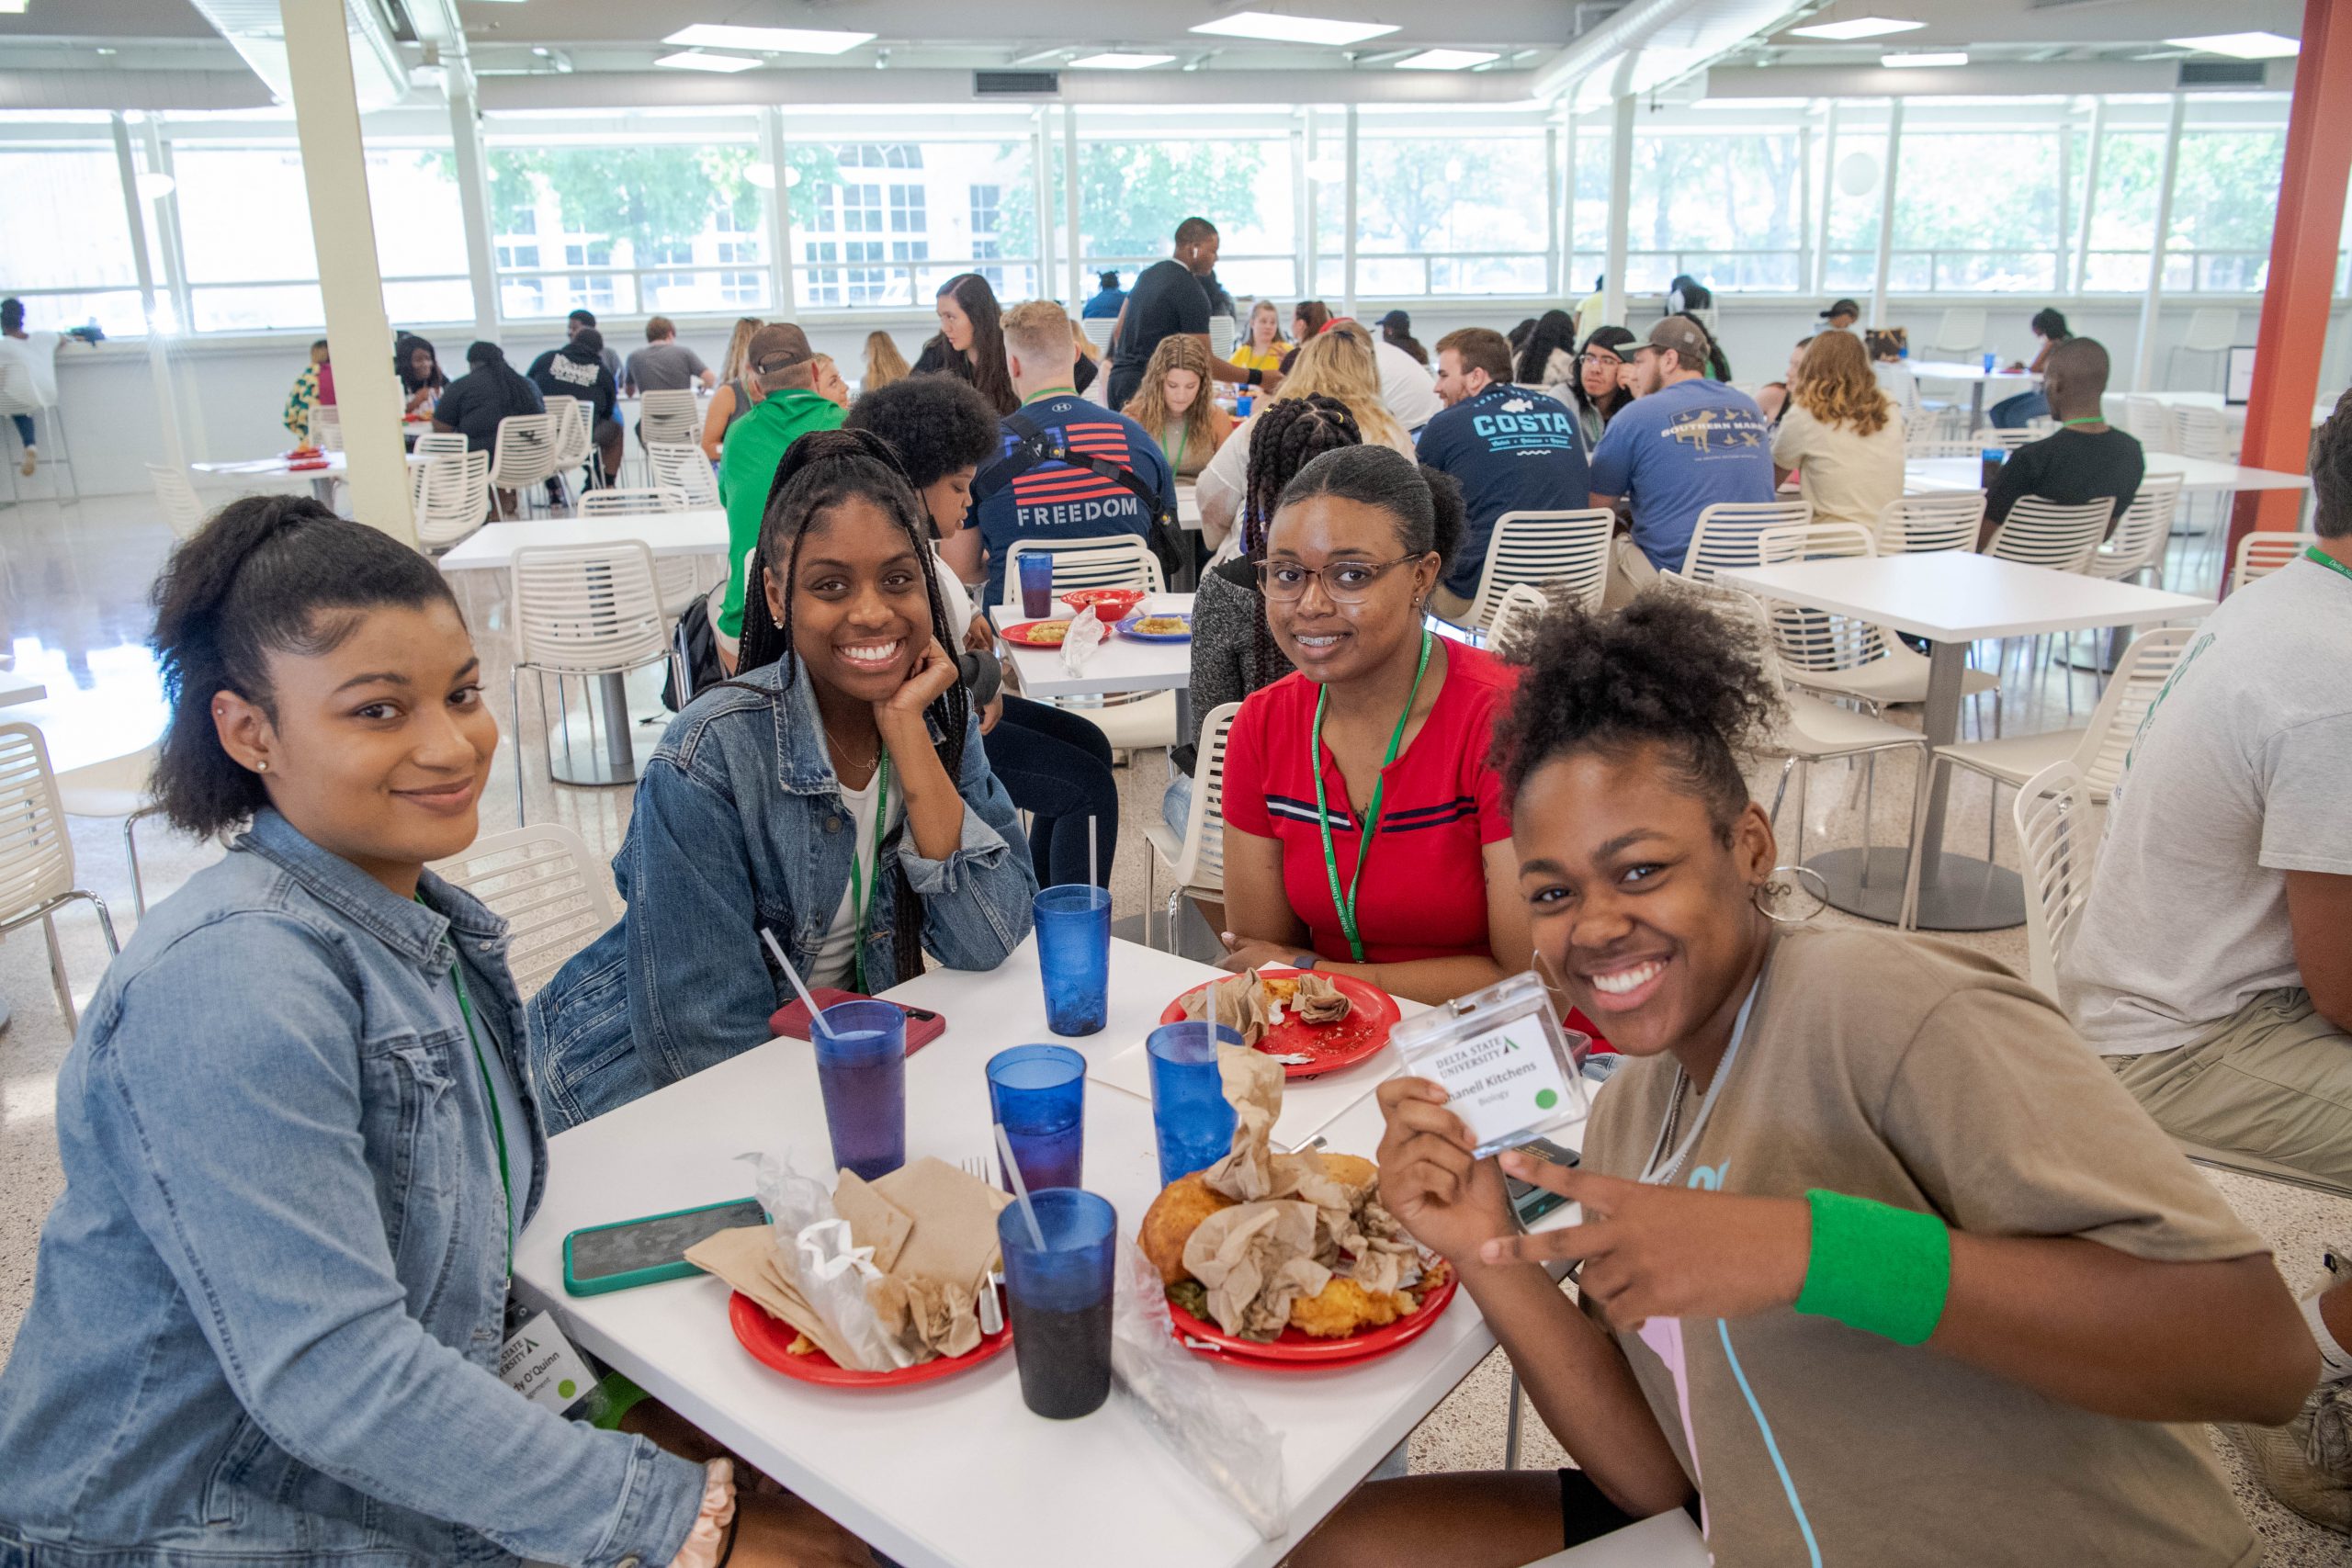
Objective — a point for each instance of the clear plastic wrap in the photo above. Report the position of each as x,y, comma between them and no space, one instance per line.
814,1243
1086,634
1184,1405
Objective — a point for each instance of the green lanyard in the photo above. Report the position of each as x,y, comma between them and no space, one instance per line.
1183,437
497,1118
861,898
1346,902
2327,560
2089,419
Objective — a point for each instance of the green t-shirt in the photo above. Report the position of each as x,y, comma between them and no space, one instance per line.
747,466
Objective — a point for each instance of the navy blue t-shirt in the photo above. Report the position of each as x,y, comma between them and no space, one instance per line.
1055,500
1678,452
1510,450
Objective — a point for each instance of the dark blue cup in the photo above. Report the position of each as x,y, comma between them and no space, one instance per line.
1060,1300
1038,1094
862,1070
1189,1111
1074,955
1036,571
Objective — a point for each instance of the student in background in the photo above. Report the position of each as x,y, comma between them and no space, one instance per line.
299,402
1173,296
1085,368
1396,330
1105,302
2049,329
783,370
1840,436
1837,1299
1841,316
1599,391
1261,347
736,394
2085,459
1308,320
1339,365
970,343
1548,359
1772,397
420,372
584,321
578,369
730,363
665,365
1886,351
489,391
1173,404
884,363
1590,309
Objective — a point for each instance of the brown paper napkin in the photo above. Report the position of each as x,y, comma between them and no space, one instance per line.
1255,1259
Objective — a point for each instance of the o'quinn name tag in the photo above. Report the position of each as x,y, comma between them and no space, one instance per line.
1503,1060
540,1363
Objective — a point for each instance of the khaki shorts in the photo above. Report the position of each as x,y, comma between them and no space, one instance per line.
1630,572
2267,1090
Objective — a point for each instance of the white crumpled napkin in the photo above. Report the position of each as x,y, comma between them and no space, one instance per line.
1087,633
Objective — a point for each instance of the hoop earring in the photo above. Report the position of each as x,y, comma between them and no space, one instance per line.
1758,895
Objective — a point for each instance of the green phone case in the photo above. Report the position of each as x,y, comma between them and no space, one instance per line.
604,1284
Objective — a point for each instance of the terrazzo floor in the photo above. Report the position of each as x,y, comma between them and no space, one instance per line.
73,585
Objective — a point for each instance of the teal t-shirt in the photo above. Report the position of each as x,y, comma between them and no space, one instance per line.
747,466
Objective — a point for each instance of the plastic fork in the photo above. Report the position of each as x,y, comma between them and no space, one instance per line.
983,1167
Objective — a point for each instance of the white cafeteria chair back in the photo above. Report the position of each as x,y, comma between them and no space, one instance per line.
115,790
2058,842
1817,640
573,444
1728,532
680,577
685,469
2138,543
2263,552
1961,331
1197,864
1119,560
442,444
37,853
523,454
543,882
1931,441
326,427
669,419
452,499
2038,532
176,493
2150,421
1222,332
1946,520
1518,617
2212,329
2006,440
2203,432
1565,551
582,611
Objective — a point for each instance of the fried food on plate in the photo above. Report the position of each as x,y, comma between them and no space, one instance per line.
1172,1218
1046,634
1344,1307
1162,626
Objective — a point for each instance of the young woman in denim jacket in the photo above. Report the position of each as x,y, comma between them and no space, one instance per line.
298,1138
834,795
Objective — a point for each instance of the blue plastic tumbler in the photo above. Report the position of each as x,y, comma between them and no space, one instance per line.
862,1072
1074,955
1060,1300
1189,1111
1039,1095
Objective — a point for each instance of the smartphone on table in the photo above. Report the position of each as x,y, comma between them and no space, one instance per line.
791,1021
597,1258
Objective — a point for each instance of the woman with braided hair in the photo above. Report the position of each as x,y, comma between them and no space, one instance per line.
1341,364
1233,653
846,745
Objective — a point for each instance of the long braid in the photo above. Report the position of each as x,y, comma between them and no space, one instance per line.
1291,434
820,471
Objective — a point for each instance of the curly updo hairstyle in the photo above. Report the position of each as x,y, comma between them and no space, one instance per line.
267,574
1666,671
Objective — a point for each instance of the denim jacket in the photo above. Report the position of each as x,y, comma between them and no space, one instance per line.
739,825
268,1309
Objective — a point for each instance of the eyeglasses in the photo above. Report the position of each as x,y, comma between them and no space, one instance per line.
1344,582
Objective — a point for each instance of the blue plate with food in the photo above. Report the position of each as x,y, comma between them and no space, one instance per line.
1156,629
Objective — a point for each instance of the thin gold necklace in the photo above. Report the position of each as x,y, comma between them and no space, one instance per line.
841,749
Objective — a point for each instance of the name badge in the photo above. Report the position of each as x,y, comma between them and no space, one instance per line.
540,1363
1508,1066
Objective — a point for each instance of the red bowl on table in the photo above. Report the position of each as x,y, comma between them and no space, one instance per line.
1111,604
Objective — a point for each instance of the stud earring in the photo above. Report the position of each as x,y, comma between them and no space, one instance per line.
261,765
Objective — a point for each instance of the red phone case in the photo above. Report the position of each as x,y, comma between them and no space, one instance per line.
924,1026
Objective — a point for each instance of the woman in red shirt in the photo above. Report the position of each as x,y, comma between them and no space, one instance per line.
1397,723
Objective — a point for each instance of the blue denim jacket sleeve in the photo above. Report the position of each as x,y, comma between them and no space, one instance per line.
237,1132
699,987
976,902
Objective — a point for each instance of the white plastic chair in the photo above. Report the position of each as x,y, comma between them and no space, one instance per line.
1517,618
1842,656
574,444
669,419
443,444
2212,329
2261,553
2204,432
583,611
1930,441
115,789
2006,440
523,457
680,576
1222,330
1946,520
326,427
685,469
37,854
2138,543
1196,862
1565,551
543,882
176,493
1119,560
1728,531
452,499
2044,533
2097,751
2150,421
1961,331
2058,842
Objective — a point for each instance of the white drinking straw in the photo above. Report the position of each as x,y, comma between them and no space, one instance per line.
816,1015
1020,1188
1092,880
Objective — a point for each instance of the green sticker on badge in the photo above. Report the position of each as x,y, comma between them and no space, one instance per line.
567,1388
1546,1099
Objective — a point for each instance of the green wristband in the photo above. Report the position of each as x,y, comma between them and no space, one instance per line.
1876,1267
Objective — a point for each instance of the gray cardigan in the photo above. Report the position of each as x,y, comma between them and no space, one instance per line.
1229,659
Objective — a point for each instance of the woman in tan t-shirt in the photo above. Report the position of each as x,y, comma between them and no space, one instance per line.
1840,434
1803,1111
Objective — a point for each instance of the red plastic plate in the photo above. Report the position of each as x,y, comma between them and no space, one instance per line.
1333,1045
1020,634
1295,1350
765,1337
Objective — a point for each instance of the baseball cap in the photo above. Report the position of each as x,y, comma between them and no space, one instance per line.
1680,335
1842,308
1396,318
777,347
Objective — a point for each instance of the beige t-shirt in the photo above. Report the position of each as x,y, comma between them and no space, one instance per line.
1848,477
1928,1076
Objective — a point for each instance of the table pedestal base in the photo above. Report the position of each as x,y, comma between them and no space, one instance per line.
1957,893
590,744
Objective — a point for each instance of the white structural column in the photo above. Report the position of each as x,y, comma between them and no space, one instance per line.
1348,236
1302,189
1042,140
779,209
2065,178
2081,278
1567,240
1069,203
1816,280
473,197
164,210
1552,207
1886,214
1620,202
135,210
2143,362
343,228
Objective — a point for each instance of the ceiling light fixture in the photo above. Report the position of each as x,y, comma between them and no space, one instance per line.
2243,46
691,59
1119,60
1294,30
767,40
1859,27
1924,59
1446,59
153,185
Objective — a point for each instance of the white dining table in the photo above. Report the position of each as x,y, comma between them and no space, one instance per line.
701,531
282,468
15,688
957,1473
1976,378
1929,476
1121,664
1952,598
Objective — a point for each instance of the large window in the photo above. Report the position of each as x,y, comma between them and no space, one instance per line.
883,224
66,245
1141,175
1976,211
2224,192
1726,207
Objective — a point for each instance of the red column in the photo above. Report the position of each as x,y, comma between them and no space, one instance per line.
2304,241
